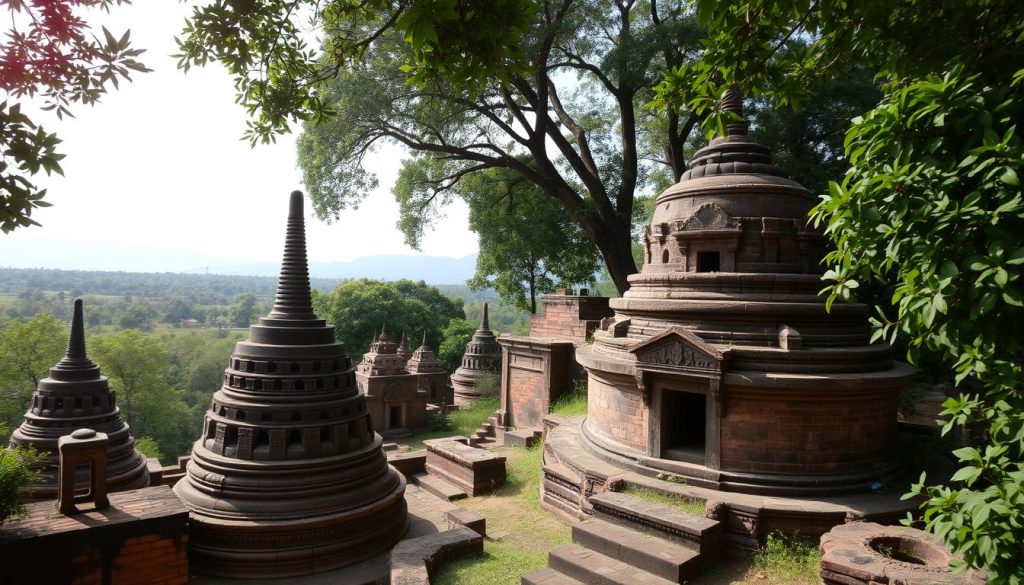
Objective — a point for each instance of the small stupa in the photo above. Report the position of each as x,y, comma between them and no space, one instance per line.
481,360
382,359
403,350
288,477
430,373
75,395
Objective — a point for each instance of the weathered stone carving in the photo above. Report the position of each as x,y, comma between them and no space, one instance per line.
73,396
288,477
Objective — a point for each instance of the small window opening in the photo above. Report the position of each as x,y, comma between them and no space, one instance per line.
664,256
708,262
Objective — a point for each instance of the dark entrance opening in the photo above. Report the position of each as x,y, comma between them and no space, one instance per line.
394,417
683,426
707,262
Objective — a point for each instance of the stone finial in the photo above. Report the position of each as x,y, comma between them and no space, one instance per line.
733,102
423,343
293,300
75,365
484,323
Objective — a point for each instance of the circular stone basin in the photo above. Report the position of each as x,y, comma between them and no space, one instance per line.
916,551
868,553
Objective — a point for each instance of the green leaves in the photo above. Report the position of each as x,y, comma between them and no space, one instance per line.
50,55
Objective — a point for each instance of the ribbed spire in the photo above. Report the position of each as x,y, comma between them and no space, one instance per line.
424,342
733,102
293,299
484,324
75,362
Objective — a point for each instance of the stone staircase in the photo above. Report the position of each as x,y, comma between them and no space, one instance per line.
487,434
630,540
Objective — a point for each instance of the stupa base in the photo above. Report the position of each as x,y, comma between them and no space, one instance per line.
574,469
293,548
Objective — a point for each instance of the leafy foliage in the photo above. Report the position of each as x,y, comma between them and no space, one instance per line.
27,351
527,244
931,207
455,336
50,52
16,473
469,85
359,308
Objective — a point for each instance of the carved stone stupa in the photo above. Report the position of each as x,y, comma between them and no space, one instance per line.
75,396
288,477
721,364
430,373
481,359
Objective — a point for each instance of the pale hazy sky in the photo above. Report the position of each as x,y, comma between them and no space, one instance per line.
157,178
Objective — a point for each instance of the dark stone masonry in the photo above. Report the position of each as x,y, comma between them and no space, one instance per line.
76,395
288,477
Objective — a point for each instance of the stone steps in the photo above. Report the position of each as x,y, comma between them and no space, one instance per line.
594,568
630,540
657,556
697,533
549,576
438,487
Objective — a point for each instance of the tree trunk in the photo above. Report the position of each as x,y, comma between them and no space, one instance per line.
617,250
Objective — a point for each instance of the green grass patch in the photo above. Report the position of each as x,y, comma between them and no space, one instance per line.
686,505
789,557
572,403
524,532
463,421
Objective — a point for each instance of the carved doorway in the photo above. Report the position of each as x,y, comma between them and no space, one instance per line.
395,417
683,426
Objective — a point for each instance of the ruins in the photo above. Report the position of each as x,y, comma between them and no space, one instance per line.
481,360
393,396
76,395
288,477
430,375
722,370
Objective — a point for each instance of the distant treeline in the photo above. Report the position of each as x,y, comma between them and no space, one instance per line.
206,288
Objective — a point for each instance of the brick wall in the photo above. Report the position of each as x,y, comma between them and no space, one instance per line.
141,539
568,317
535,373
801,434
617,412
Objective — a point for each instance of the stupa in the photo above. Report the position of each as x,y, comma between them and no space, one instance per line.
396,404
403,350
73,396
288,477
481,359
430,375
721,366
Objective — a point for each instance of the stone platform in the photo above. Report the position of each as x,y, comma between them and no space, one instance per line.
428,517
141,539
573,476
475,471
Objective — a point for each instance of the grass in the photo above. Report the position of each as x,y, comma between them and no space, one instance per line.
685,505
790,558
572,403
521,531
463,421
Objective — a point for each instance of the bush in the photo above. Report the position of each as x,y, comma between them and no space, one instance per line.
16,473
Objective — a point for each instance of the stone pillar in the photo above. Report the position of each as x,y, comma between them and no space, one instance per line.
82,446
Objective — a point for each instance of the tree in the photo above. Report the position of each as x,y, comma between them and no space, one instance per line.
243,312
358,309
50,51
178,310
27,351
527,244
549,90
138,366
930,207
455,336
139,315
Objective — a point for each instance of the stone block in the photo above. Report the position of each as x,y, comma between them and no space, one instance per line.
473,470
467,518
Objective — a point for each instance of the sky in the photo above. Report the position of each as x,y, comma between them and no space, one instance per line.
157,178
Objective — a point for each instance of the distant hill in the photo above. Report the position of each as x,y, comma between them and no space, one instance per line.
431,269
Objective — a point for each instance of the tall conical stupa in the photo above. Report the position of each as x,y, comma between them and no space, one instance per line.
288,477
481,359
75,396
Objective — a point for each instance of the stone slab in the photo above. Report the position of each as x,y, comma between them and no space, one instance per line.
412,560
